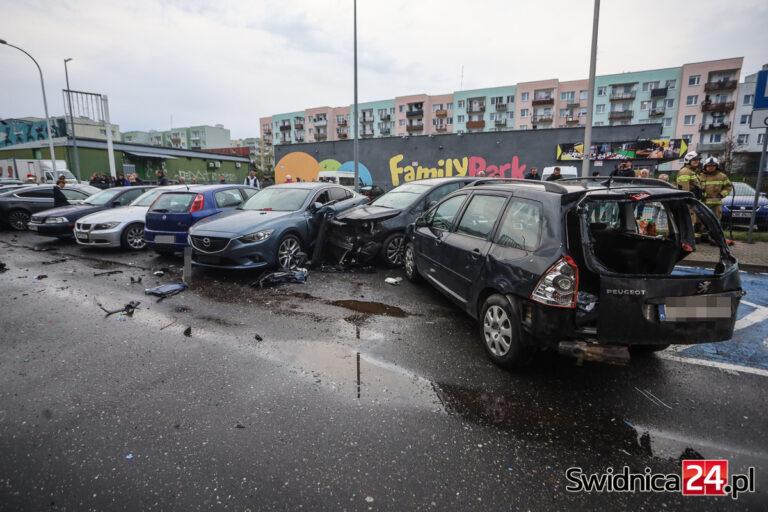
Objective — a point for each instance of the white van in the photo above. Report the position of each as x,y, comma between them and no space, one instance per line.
21,169
346,178
567,171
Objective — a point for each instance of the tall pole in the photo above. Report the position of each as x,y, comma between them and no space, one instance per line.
45,103
759,184
590,94
72,120
355,139
110,149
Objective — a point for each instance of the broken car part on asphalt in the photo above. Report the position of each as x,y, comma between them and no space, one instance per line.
166,290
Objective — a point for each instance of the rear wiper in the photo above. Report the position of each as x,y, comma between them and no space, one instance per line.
160,210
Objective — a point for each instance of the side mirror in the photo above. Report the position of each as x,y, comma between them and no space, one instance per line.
421,222
115,203
315,207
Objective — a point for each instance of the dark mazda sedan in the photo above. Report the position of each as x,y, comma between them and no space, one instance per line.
60,222
379,228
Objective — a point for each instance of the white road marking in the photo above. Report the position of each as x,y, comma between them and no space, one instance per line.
726,367
758,315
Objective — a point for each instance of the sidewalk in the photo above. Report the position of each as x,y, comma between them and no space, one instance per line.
752,257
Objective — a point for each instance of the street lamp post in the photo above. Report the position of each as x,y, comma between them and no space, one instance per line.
72,120
355,154
45,102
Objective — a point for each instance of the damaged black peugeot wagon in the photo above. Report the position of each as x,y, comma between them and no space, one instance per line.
592,267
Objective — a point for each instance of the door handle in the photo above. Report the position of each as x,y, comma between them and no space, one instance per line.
475,253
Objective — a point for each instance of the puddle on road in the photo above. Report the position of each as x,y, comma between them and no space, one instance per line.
372,308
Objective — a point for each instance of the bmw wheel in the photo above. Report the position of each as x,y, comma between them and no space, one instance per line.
133,237
287,251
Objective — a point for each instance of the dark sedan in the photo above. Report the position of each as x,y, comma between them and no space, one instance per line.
271,228
18,206
737,207
379,228
60,222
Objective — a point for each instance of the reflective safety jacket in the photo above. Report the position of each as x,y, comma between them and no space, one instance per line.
687,179
715,187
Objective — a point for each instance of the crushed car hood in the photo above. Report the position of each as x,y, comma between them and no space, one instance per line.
368,212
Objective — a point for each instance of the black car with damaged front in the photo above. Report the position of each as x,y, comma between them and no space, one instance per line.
377,230
587,266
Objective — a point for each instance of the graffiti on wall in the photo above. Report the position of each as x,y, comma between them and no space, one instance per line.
19,132
206,177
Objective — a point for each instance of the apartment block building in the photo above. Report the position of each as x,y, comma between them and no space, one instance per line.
748,142
695,102
188,137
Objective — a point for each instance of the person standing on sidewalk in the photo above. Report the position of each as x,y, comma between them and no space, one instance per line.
687,177
715,186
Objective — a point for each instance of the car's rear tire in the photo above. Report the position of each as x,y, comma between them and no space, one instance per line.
18,219
647,349
287,251
502,334
132,237
393,249
409,264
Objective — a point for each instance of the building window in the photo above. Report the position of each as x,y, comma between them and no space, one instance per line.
460,119
715,137
689,120
449,120
493,116
600,109
745,119
670,103
644,105
672,84
401,122
499,100
687,137
511,98
568,96
598,123
524,111
743,138
667,122
400,108
449,106
461,103
583,111
749,99
647,86
524,96
694,80
583,94
692,100
563,112
760,137
524,127
511,114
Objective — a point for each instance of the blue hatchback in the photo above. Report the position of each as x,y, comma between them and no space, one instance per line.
173,213
737,207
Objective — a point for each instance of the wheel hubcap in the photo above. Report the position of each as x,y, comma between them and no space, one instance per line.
497,330
135,238
395,251
286,255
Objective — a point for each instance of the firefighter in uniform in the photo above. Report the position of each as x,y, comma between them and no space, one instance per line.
687,177
715,186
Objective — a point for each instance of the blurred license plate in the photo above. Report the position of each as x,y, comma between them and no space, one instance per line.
82,236
165,239
32,227
692,309
742,214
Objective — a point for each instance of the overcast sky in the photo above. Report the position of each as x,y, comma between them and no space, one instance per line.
206,62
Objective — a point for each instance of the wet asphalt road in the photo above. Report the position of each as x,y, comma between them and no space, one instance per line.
128,413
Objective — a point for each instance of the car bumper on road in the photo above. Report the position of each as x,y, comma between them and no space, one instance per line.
101,238
59,229
234,254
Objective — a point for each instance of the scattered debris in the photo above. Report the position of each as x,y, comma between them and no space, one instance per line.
41,276
158,273
690,454
188,332
258,338
128,309
54,262
170,324
107,273
651,397
266,280
129,456
393,280
41,249
239,425
3,267
349,269
166,290
136,280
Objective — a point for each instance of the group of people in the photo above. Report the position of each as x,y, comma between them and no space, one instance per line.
707,181
122,180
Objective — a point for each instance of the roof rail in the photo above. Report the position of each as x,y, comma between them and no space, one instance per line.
549,186
622,181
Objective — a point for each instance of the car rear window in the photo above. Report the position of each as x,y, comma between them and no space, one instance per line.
173,202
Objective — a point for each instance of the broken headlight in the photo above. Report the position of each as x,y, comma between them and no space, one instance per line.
258,236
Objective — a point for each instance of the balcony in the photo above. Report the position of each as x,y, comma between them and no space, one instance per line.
320,122
720,85
717,107
299,139
543,101
267,131
618,96
711,147
299,125
501,107
472,125
414,127
285,127
475,108
656,112
321,136
285,141
500,122
341,122
414,112
385,117
572,120
385,131
542,118
573,104
367,118
367,133
659,92
342,135
441,113
621,114
711,127
441,127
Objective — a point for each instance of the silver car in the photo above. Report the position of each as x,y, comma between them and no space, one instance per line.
119,227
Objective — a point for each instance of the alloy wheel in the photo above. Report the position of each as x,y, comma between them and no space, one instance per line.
497,330
135,237
394,250
18,220
286,253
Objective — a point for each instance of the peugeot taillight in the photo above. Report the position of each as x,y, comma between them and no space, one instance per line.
559,285
197,204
